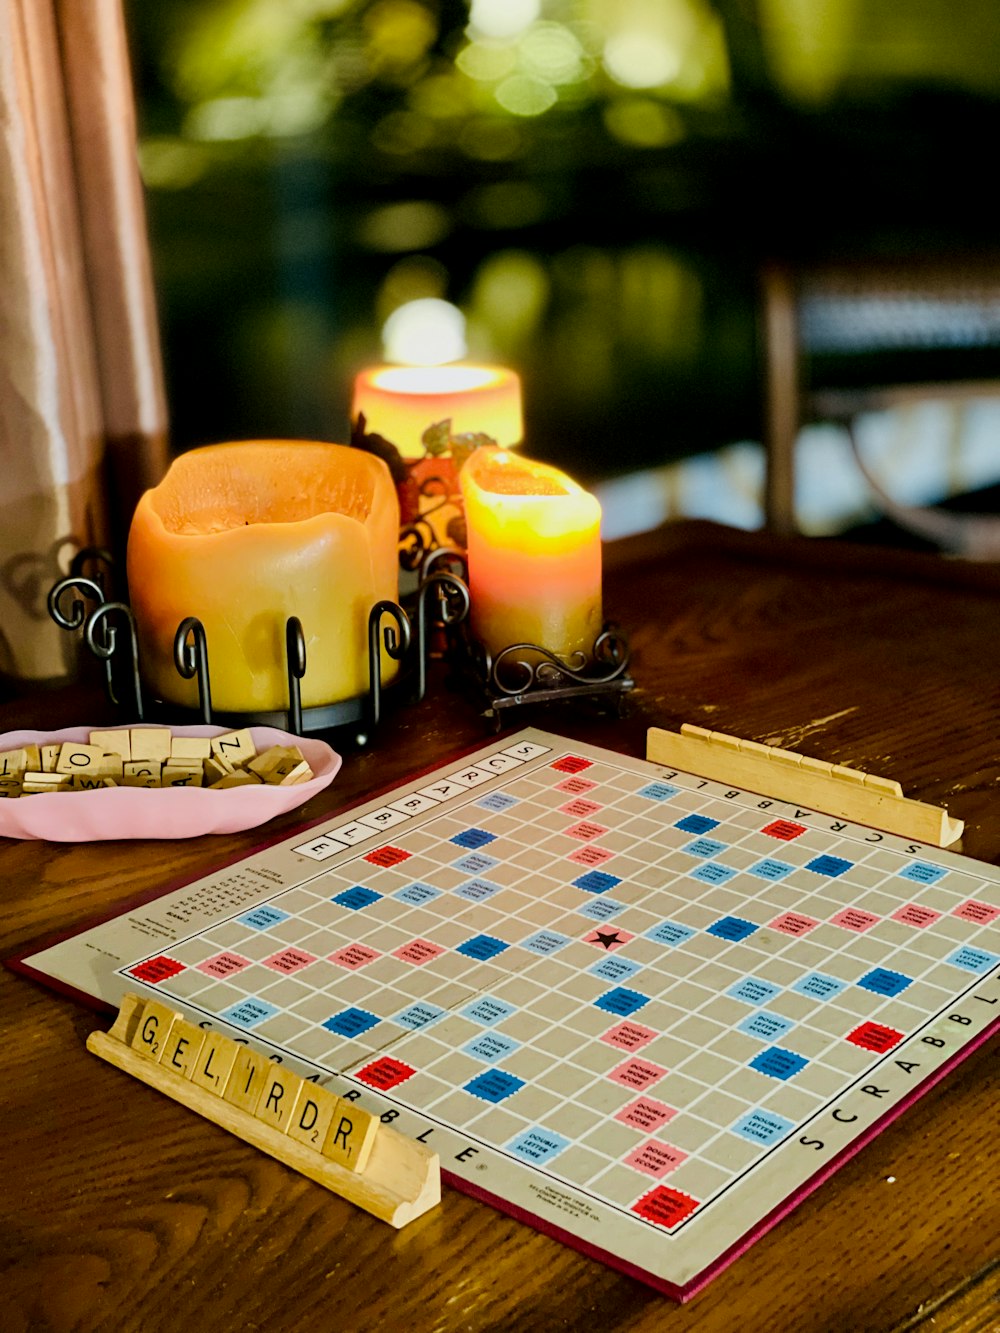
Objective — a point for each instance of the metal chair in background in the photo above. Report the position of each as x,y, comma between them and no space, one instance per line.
843,338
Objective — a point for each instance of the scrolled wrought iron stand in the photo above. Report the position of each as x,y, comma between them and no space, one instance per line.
527,673
109,632
436,624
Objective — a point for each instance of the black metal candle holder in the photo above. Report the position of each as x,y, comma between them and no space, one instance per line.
109,632
528,673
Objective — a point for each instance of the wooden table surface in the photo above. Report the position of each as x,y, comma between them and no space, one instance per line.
123,1210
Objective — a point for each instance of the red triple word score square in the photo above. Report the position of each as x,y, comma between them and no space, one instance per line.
387,856
875,1037
571,763
665,1207
154,970
783,829
385,1073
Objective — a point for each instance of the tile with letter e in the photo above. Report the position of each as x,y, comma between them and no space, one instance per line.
350,1137
182,1047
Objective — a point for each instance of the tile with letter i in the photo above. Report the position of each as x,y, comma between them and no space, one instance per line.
246,1080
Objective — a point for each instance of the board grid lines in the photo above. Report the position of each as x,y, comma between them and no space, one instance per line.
644,989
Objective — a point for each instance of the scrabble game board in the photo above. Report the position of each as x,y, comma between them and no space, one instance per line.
638,1009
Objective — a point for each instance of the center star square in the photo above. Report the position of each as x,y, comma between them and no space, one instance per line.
608,939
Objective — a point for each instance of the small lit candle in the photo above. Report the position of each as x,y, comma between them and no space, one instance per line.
534,554
245,535
400,402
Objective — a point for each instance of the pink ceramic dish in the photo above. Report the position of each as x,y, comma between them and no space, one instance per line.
173,812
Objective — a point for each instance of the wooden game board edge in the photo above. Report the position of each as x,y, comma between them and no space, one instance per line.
400,1182
765,771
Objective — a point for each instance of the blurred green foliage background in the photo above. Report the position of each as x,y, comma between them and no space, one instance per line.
594,182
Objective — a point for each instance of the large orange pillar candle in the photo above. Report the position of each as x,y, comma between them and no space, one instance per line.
245,535
534,554
400,402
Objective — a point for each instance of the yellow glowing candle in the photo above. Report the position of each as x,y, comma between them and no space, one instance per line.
400,402
244,536
534,554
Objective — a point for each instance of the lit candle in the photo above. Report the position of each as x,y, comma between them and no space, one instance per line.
400,402
244,536
534,554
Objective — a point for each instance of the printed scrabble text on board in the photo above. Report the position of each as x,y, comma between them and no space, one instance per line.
639,1006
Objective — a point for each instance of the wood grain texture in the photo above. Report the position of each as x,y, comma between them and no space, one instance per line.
122,1211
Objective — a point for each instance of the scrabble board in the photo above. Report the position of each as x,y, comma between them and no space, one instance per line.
638,1009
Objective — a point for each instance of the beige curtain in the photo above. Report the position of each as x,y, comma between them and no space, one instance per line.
82,416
